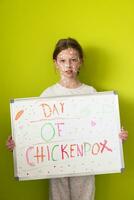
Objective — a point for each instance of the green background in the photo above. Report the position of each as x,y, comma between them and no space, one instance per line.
29,31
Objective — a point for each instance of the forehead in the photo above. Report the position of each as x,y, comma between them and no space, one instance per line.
68,52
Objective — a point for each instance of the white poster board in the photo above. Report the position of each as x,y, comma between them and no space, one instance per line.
66,136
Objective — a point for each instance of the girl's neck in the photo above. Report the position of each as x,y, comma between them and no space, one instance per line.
70,83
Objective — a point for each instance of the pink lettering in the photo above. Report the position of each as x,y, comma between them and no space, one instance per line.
80,150
27,156
58,127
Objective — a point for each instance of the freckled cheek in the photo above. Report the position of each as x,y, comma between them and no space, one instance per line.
61,66
75,68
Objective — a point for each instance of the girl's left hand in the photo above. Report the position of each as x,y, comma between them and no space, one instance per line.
123,134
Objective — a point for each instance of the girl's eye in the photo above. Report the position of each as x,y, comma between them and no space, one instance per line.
74,59
62,61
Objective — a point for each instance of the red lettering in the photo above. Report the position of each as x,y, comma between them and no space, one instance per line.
46,110
104,146
63,152
48,153
39,155
95,149
55,110
62,108
72,150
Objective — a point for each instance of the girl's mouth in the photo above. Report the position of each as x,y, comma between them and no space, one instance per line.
69,71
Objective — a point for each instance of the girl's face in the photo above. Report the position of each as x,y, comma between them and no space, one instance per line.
68,63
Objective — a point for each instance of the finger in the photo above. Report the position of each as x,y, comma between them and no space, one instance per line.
122,137
9,137
9,143
11,147
124,134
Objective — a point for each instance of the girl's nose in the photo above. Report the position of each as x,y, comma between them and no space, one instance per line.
68,64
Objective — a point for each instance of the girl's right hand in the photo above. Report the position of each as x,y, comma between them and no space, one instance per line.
10,143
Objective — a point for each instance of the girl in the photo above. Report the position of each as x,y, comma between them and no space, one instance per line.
68,58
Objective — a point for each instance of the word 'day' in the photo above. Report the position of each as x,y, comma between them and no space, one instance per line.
50,111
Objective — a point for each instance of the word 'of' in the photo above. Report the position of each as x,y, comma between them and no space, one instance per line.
41,153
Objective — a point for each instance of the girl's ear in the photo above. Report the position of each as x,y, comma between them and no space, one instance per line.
55,62
80,64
